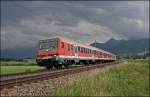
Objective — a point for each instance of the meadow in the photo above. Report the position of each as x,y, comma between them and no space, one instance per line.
131,79
12,67
18,63
18,69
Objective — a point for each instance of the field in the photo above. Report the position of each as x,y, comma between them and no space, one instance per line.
11,67
130,79
18,69
18,63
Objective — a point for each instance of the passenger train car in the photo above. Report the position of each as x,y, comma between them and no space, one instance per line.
59,51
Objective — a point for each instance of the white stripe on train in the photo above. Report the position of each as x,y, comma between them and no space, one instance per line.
71,57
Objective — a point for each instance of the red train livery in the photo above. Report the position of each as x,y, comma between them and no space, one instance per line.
61,51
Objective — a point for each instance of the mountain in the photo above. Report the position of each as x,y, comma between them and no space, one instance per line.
124,47
139,46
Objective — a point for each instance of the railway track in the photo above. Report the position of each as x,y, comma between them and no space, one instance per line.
8,82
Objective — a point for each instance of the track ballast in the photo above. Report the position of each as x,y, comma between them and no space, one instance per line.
34,77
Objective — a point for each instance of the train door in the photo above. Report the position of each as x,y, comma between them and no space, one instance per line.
93,59
76,53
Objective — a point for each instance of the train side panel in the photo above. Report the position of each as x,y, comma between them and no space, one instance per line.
71,52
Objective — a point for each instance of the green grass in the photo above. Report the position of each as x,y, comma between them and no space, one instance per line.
18,69
131,79
17,63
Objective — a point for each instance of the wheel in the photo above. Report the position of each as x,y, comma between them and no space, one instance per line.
49,66
66,65
58,66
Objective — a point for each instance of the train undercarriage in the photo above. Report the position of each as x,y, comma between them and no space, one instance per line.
62,62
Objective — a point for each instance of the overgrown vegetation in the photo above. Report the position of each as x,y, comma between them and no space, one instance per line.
131,79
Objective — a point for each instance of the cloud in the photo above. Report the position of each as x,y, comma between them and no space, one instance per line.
24,23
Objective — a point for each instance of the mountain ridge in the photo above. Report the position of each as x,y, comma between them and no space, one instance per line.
124,46
119,47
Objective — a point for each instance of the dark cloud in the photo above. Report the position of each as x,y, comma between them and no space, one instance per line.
81,20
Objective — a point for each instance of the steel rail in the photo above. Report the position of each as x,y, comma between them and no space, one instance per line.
15,81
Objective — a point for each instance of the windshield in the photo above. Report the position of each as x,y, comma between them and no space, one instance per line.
49,44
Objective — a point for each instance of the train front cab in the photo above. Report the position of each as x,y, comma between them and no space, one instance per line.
48,50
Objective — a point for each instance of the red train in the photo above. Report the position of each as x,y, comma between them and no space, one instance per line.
59,51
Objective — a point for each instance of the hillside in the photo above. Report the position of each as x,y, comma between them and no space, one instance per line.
116,46
124,46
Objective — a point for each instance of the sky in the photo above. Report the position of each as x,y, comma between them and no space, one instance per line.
24,23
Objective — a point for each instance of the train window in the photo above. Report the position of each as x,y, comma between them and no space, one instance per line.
68,47
100,53
50,44
94,52
75,49
72,47
78,49
86,50
62,44
81,50
104,55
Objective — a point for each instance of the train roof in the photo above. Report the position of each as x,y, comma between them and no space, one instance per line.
80,44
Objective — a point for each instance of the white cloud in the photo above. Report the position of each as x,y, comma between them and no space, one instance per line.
137,23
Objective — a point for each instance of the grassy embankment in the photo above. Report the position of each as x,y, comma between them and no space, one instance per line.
11,67
131,79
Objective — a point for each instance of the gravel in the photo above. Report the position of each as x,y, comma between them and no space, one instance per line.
49,86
